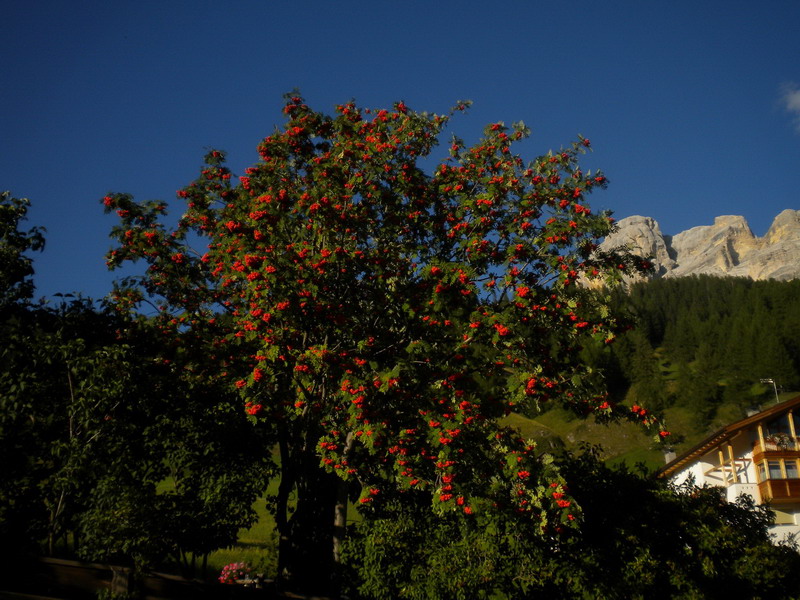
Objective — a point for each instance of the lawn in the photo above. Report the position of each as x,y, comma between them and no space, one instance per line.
257,545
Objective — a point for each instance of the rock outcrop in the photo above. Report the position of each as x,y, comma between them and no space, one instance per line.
726,248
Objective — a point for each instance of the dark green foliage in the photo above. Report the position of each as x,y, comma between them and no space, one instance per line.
643,539
129,458
639,362
16,267
639,539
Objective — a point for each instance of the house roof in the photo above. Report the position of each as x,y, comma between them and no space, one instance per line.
725,434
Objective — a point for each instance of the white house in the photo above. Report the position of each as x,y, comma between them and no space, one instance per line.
757,456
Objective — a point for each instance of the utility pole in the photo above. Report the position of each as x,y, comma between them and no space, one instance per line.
774,387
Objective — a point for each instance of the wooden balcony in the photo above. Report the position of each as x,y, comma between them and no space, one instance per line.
780,491
775,450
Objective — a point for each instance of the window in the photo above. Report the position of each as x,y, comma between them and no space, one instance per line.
779,425
778,469
783,517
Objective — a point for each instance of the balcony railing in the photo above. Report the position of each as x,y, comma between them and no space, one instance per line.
735,490
781,444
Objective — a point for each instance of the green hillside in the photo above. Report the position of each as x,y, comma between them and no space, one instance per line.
697,354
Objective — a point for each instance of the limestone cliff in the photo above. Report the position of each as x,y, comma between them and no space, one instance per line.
727,247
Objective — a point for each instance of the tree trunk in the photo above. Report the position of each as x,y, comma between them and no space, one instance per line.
340,512
306,560
340,520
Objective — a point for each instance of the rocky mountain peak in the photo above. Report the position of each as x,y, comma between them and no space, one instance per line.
728,247
785,225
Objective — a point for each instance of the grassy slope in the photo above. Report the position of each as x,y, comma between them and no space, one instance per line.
620,442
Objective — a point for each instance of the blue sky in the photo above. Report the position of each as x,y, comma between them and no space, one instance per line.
693,107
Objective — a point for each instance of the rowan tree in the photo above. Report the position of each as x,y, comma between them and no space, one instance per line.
380,318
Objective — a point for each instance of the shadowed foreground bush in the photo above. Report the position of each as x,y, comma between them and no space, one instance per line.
640,538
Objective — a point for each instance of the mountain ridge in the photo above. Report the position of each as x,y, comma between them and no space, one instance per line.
726,248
